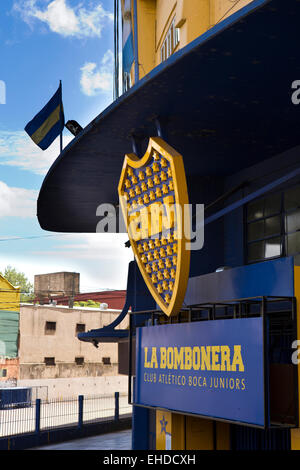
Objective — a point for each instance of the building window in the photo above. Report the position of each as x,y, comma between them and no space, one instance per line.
79,361
273,226
106,360
170,43
127,84
80,328
49,361
3,373
50,327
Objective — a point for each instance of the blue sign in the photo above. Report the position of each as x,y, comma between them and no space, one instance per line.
211,368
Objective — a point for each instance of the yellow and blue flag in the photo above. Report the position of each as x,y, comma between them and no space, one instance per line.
48,123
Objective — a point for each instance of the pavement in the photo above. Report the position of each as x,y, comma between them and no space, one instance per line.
120,440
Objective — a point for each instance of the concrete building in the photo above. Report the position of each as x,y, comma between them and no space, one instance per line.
50,354
115,299
64,288
56,284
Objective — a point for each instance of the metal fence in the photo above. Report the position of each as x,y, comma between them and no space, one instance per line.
17,419
38,415
57,413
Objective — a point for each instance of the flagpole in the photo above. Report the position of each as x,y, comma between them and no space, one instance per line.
60,110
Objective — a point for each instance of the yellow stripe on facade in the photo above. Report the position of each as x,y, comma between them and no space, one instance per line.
295,433
42,131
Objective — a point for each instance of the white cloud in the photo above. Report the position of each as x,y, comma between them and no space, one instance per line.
17,202
62,19
92,246
101,259
17,149
95,80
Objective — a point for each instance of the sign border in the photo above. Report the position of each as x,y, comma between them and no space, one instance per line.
266,414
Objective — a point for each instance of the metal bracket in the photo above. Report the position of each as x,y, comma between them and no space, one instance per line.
160,124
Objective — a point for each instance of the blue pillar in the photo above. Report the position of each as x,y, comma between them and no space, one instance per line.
116,406
37,415
80,411
136,44
140,428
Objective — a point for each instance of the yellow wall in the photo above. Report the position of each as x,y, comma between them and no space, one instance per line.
221,9
191,433
223,436
178,431
165,11
199,434
295,433
146,30
192,17
9,296
165,416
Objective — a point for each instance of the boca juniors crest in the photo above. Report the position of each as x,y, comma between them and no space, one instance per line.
154,201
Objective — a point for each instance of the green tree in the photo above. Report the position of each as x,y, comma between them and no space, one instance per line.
18,279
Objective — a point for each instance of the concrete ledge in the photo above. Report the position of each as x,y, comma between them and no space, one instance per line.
52,436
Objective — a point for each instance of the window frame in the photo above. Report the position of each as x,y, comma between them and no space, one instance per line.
79,363
106,361
170,42
79,330
49,364
50,331
283,233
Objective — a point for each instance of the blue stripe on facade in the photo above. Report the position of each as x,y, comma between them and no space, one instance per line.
136,44
270,278
128,54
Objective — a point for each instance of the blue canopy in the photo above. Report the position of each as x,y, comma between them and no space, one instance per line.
224,102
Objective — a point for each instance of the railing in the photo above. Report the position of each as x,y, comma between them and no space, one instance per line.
39,415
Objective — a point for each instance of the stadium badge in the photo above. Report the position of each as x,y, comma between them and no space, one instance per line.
153,197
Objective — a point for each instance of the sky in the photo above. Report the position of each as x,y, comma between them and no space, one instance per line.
42,42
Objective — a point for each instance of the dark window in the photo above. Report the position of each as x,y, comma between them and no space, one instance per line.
126,81
256,251
293,243
273,226
265,249
50,328
3,373
79,361
106,360
292,198
255,210
292,221
80,328
256,230
265,207
49,361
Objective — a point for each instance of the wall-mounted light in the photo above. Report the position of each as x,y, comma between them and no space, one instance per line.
74,127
